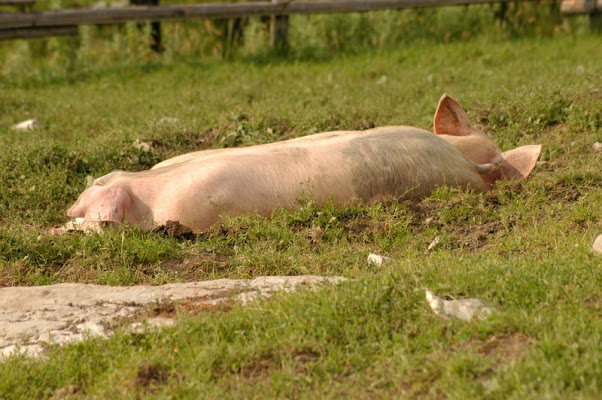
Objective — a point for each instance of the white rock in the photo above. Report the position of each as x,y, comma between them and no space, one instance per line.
28,125
377,260
70,312
434,243
142,146
464,309
597,246
168,121
381,80
597,146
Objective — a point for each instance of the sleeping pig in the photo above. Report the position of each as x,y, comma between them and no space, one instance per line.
197,189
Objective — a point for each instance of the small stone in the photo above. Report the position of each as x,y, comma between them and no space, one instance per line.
28,125
597,246
464,309
434,243
168,121
89,181
381,80
377,260
142,146
597,146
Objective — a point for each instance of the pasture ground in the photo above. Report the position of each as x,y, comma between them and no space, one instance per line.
524,248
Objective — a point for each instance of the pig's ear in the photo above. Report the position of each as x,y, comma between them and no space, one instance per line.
106,179
450,118
520,162
102,203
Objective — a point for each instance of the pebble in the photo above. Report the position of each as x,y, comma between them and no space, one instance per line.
28,125
377,260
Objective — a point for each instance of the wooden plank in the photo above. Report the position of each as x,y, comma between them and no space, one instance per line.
279,31
17,2
25,33
210,11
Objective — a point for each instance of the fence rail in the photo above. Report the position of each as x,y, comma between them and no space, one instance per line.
211,11
17,2
65,22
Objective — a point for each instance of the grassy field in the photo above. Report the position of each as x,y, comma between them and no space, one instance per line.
524,248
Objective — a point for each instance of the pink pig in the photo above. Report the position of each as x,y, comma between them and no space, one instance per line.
197,189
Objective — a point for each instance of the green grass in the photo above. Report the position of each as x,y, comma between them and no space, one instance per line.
525,248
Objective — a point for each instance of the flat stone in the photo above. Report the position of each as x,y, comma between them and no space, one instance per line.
70,312
464,309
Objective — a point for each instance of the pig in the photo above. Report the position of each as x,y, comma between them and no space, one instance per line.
198,189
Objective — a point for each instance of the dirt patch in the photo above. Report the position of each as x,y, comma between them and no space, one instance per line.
175,229
564,192
260,369
363,125
461,234
150,374
477,236
67,392
197,266
365,228
190,306
506,348
501,349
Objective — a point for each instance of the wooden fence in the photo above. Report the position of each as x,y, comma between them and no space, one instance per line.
64,22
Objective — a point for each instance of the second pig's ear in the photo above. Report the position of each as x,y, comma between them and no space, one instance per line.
520,162
450,118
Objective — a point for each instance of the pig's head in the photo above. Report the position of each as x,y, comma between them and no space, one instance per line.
452,124
103,206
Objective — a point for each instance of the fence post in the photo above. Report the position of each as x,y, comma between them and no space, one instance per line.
500,15
155,25
595,21
279,30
